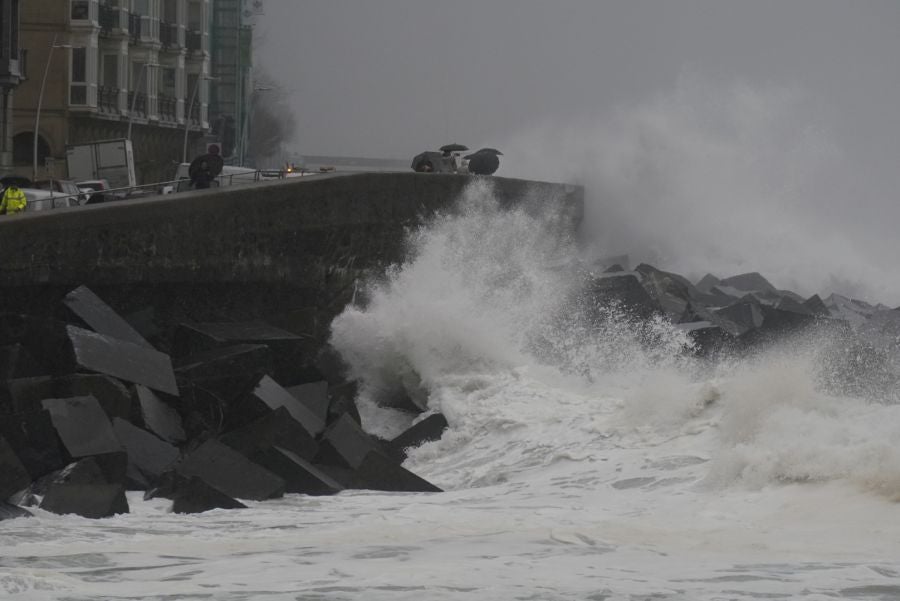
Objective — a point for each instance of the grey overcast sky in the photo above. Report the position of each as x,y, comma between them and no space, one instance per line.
390,78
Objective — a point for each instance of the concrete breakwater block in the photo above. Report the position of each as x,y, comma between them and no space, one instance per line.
34,440
314,395
83,488
429,429
100,317
289,351
228,471
226,372
267,396
276,428
345,444
159,417
148,456
82,426
194,495
8,511
300,475
114,397
124,360
17,362
378,472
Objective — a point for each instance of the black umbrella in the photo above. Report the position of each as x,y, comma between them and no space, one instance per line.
17,180
483,163
429,161
213,162
489,151
448,148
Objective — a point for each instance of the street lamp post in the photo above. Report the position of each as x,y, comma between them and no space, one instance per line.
187,114
136,91
245,134
37,114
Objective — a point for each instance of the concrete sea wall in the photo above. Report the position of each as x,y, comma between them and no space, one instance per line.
291,252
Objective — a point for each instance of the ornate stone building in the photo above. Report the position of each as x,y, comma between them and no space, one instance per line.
12,65
115,68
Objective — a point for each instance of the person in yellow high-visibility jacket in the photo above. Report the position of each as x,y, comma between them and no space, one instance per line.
13,200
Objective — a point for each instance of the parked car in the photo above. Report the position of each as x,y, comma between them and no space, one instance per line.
98,190
43,200
62,186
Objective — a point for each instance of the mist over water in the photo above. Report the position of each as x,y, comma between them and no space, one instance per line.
722,179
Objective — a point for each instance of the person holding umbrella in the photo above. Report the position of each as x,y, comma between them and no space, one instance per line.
451,151
484,161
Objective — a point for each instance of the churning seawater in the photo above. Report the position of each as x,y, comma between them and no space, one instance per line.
581,462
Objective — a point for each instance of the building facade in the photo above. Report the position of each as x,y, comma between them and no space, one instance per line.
231,38
12,68
115,69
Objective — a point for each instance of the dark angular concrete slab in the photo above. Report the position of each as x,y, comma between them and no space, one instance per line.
34,440
148,456
314,395
708,337
100,317
225,371
344,443
111,393
816,306
378,472
193,495
230,472
300,476
276,428
123,360
87,500
159,417
749,282
342,401
429,429
9,511
83,426
288,350
625,290
13,475
267,396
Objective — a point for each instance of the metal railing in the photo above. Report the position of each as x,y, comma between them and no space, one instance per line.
168,34
108,99
167,106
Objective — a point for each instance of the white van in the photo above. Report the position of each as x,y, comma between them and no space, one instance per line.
231,175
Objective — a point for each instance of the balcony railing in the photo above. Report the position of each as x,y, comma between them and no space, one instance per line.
167,106
140,105
193,41
108,99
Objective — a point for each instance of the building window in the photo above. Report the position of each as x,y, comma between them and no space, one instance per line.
78,87
81,10
141,7
168,81
79,65
111,70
